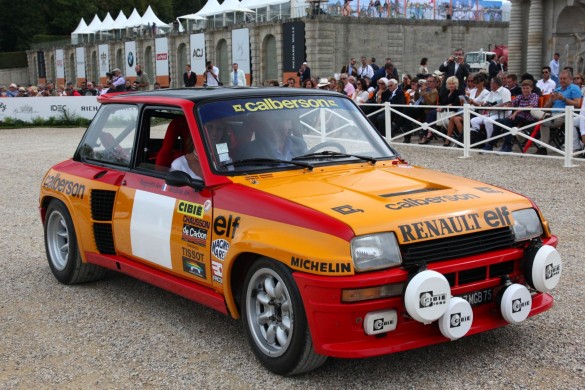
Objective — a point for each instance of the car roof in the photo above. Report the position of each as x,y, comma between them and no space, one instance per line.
212,93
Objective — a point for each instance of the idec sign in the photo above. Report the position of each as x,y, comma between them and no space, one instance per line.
162,56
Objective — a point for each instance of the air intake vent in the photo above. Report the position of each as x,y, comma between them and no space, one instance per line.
102,205
104,239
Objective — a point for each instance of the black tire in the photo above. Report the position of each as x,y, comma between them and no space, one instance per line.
274,320
62,249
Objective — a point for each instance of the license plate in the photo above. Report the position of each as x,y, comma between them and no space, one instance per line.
480,297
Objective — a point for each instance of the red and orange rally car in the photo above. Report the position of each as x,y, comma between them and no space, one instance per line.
285,208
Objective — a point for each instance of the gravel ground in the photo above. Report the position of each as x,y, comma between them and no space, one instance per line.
122,333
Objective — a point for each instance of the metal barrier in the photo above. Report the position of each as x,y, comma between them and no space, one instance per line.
526,134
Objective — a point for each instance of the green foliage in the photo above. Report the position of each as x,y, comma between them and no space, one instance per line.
13,60
21,22
65,120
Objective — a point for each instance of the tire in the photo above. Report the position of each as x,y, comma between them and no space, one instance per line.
274,320
62,249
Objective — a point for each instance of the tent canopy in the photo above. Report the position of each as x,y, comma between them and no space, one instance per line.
150,17
119,22
252,4
233,6
210,8
107,23
81,27
192,17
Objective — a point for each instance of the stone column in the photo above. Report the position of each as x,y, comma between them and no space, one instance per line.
515,52
534,61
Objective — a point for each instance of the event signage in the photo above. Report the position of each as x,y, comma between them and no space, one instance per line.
130,60
197,46
104,60
161,46
59,65
293,46
80,63
241,48
27,109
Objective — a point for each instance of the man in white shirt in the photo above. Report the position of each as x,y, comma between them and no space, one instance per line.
546,85
237,77
498,97
365,70
211,75
555,68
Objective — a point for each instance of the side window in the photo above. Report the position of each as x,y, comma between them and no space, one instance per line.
110,137
166,137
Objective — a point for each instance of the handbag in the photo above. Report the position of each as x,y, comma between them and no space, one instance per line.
443,118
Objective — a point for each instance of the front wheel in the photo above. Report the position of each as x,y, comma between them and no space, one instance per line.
62,250
275,322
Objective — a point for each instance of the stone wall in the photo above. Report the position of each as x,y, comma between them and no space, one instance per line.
330,42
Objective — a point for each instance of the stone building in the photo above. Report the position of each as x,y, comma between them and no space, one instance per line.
540,28
327,44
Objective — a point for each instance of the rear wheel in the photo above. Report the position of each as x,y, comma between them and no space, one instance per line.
275,322
62,250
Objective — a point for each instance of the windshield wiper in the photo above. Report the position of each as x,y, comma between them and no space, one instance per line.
267,161
331,154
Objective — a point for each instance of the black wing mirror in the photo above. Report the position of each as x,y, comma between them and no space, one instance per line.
182,179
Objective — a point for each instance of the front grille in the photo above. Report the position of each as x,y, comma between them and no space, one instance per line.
480,273
102,204
456,247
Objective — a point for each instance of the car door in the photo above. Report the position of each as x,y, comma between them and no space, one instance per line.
159,225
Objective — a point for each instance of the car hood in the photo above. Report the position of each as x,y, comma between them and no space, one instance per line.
416,203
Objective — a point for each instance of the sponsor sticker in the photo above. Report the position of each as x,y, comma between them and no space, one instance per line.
188,208
269,104
194,234
194,267
428,299
217,271
219,248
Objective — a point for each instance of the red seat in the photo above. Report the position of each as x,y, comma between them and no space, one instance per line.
177,129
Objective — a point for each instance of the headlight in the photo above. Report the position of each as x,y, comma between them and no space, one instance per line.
526,224
375,251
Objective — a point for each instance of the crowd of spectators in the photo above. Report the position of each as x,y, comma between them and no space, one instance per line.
451,86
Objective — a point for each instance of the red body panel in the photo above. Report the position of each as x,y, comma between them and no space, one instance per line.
164,280
337,328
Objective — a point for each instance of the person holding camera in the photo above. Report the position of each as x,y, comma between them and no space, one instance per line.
454,66
211,75
118,81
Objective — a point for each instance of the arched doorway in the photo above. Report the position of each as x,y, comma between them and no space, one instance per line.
269,63
182,60
222,61
569,39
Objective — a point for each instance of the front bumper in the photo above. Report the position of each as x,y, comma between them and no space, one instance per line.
337,328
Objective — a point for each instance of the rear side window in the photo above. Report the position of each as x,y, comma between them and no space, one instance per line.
111,136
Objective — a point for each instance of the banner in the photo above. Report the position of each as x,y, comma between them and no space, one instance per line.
29,108
130,48
241,49
161,48
197,42
59,67
104,60
80,64
41,68
293,46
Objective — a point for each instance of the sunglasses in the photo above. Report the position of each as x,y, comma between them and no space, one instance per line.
545,72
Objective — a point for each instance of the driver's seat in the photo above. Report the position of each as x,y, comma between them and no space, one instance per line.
170,148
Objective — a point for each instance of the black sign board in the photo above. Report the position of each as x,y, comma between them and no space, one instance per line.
41,64
293,46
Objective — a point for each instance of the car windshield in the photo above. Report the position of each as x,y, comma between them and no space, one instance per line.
292,132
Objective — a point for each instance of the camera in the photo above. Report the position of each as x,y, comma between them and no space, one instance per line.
110,74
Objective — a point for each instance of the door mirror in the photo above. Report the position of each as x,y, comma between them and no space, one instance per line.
182,179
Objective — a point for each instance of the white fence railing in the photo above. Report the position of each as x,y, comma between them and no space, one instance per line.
527,138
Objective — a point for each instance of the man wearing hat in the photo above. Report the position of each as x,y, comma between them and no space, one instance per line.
12,90
118,81
304,72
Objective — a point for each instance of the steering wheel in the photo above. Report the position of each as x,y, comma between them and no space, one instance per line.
326,144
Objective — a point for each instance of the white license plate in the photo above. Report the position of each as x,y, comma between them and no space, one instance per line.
479,297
